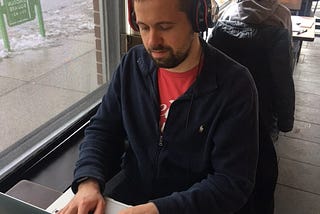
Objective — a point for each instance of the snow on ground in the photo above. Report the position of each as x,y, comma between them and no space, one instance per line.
67,20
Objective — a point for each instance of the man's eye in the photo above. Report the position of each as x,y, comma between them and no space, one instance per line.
143,27
165,27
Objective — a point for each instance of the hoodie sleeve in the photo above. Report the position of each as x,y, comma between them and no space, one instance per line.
103,144
281,68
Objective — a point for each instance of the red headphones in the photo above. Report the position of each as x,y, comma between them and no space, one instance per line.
201,16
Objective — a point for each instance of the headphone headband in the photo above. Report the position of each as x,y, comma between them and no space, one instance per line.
201,17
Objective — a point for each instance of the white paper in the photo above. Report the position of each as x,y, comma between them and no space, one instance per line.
302,22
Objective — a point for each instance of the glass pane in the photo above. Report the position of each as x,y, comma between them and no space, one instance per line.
42,76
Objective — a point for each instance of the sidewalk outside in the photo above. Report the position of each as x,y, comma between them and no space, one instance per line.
43,76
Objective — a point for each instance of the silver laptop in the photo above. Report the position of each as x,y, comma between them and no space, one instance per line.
11,205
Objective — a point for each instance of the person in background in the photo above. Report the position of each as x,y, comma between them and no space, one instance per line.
258,34
177,130
259,12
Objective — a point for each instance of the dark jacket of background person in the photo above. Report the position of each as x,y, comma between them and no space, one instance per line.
266,52
205,161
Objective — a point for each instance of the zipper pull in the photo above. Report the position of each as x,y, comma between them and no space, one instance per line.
160,141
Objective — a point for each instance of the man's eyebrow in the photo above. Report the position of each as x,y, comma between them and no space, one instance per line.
158,23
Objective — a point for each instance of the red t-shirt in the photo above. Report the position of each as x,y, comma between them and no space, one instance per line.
171,86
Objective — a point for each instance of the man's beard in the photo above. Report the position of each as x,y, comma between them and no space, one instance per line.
172,60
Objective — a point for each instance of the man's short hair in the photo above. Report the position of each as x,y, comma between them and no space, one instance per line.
185,6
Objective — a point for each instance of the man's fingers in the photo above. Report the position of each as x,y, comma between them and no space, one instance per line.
62,211
100,208
67,210
83,210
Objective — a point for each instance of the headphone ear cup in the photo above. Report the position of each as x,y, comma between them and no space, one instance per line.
132,16
195,16
202,16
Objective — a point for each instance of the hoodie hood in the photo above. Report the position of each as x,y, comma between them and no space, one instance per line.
257,11
267,12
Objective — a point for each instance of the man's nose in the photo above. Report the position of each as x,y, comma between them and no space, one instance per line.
155,38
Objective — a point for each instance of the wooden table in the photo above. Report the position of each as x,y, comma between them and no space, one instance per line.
299,7
292,4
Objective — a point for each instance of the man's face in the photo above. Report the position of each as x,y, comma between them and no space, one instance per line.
165,31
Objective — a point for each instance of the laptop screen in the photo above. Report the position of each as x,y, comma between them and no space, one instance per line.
11,205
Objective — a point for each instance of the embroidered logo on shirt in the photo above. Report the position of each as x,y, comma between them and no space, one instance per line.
201,129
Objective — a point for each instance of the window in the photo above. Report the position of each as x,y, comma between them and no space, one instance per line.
48,83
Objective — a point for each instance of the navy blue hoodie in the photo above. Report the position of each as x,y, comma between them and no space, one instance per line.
205,160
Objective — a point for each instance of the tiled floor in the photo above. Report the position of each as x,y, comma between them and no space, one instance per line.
298,189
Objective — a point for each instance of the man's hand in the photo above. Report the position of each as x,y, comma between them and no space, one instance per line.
88,199
149,208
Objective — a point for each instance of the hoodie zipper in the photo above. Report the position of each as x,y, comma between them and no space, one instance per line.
159,145
160,141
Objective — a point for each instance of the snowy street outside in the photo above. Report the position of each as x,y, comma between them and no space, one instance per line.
62,18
